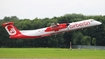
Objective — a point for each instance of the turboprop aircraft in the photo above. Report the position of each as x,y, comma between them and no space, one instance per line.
48,31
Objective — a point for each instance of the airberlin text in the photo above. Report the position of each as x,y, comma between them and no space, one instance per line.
81,24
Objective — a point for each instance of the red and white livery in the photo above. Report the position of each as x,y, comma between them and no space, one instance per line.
48,31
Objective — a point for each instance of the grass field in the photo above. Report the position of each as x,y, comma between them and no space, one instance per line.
51,53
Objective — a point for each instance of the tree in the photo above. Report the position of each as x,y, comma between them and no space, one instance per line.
90,36
86,40
6,18
77,37
94,41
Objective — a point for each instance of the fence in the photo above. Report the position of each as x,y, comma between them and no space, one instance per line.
88,47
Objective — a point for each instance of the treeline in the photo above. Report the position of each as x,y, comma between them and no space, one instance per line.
87,36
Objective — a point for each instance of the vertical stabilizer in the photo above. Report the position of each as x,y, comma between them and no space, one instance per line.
11,29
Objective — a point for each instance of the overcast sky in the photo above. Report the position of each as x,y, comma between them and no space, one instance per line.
49,8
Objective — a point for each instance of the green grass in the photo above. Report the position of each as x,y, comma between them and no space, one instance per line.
51,53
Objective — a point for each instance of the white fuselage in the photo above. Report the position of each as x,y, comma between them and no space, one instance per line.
70,27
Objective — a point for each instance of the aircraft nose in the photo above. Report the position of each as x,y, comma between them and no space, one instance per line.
99,23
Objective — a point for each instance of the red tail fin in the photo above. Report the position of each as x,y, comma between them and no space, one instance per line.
11,29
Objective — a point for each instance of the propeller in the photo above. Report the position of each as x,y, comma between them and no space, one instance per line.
67,23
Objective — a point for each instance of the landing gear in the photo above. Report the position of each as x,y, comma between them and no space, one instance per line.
55,35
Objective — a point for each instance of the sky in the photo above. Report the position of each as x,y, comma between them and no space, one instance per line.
49,8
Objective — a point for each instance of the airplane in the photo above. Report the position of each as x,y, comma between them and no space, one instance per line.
55,28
